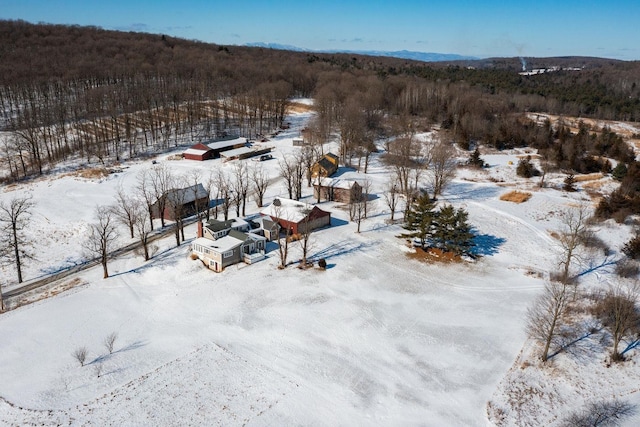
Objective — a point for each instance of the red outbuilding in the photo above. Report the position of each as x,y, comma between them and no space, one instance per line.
199,152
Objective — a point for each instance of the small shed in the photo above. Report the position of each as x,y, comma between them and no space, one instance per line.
326,166
198,152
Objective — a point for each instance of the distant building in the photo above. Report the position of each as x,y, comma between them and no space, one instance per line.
219,146
326,166
198,152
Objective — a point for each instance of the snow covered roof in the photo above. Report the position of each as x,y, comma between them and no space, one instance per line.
287,209
198,149
337,182
219,145
195,151
221,245
188,194
237,152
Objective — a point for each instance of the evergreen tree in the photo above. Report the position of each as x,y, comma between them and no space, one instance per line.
452,232
570,183
475,160
420,219
526,169
619,172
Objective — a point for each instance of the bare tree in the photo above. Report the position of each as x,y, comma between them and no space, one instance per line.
298,175
14,217
288,173
283,235
307,157
545,316
225,193
161,182
109,341
619,315
366,190
402,158
102,234
176,199
142,228
98,368
125,209
305,230
443,166
574,222
609,413
200,205
357,208
241,186
146,193
80,354
260,182
210,185
392,196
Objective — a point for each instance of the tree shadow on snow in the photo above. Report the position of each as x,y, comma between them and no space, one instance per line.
155,259
342,170
337,222
132,346
471,191
340,248
487,244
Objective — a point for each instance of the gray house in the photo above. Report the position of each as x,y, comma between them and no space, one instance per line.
215,229
231,247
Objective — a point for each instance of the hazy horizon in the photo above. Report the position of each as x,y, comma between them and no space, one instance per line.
490,29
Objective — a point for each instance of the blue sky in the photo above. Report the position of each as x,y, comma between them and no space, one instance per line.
479,28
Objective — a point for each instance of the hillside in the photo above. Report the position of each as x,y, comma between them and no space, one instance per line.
380,337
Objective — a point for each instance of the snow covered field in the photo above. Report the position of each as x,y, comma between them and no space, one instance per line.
376,339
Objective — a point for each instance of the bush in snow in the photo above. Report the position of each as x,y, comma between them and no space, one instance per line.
109,342
606,413
80,354
526,169
632,247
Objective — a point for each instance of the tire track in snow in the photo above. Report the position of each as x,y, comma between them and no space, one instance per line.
541,234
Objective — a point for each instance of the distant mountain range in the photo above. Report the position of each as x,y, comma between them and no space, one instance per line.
405,54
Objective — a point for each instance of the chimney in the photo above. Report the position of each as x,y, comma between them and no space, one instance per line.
199,228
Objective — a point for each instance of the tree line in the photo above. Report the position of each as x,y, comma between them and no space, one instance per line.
97,95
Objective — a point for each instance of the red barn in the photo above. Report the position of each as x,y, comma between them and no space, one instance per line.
296,216
198,152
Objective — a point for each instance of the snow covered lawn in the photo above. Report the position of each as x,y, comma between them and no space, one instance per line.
376,339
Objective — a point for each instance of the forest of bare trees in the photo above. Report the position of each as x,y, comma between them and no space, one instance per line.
97,96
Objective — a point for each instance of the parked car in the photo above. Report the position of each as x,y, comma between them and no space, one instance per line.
266,157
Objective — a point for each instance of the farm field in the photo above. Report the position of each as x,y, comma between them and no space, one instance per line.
380,337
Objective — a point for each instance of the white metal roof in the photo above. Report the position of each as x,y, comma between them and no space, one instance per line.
224,144
236,152
195,151
221,245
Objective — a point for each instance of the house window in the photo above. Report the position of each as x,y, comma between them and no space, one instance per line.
227,254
